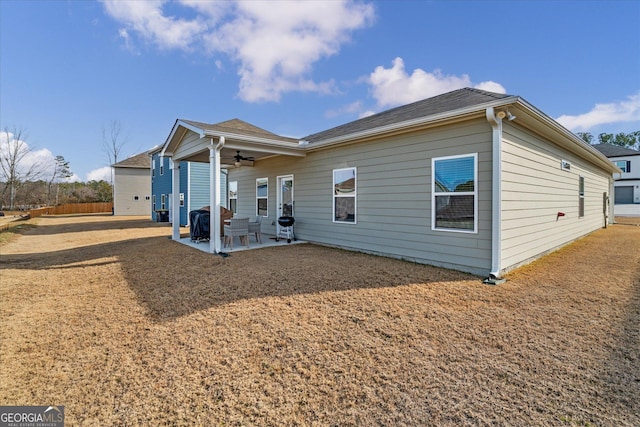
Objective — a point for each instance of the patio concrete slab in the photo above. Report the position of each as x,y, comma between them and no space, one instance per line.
267,242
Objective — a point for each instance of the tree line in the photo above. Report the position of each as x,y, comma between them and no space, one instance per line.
27,184
628,140
35,194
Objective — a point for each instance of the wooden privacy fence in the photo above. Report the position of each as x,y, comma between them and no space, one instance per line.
74,208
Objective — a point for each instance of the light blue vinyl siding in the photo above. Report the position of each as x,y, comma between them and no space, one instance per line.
199,185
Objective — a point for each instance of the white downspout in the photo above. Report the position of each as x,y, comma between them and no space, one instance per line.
495,120
214,196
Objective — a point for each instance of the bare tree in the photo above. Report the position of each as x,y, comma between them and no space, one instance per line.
112,142
13,162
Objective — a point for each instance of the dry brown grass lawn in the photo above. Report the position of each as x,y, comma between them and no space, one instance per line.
122,326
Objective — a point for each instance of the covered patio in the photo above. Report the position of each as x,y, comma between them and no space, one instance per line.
226,145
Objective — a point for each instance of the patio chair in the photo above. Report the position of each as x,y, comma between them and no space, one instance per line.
254,228
237,227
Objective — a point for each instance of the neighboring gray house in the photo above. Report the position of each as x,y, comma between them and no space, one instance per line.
132,186
470,180
627,183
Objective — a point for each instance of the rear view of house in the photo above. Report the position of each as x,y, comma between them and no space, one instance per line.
470,180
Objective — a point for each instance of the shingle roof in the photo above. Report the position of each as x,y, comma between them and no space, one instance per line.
450,101
611,150
141,161
240,127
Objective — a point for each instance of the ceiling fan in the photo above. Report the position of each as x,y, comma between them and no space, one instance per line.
238,159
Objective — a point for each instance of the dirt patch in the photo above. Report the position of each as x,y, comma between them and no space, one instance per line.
110,318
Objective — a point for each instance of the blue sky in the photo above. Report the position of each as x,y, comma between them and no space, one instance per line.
70,68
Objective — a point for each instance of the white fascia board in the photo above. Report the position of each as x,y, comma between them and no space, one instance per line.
178,124
192,128
266,145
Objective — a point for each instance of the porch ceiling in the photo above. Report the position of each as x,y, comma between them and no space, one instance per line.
227,155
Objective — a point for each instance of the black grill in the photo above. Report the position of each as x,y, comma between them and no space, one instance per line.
286,221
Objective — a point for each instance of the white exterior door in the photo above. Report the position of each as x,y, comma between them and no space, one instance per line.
284,198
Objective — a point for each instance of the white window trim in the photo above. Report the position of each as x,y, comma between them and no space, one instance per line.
229,198
262,198
473,193
354,195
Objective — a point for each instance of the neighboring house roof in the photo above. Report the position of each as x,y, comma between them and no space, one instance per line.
456,100
140,161
611,150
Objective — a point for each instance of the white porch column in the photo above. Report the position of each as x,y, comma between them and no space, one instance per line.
175,199
215,245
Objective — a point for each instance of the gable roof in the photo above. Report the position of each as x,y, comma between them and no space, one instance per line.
237,135
611,150
140,161
239,127
447,102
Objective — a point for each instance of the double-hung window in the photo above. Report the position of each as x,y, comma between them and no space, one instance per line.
262,196
344,195
624,165
454,190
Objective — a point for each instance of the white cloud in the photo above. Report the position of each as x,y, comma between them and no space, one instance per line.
100,174
273,43
602,114
393,86
147,19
